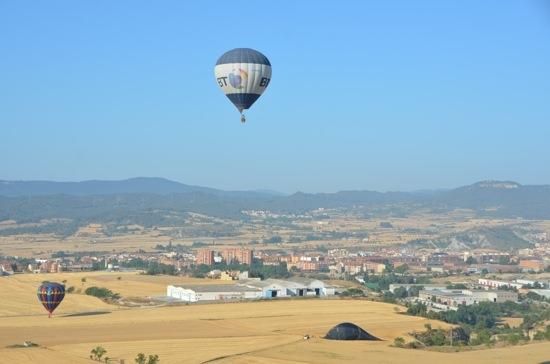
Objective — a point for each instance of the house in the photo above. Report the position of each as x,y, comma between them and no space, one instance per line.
535,265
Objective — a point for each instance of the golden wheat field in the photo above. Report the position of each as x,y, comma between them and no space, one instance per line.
252,332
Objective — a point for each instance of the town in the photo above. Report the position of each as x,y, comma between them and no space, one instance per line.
405,266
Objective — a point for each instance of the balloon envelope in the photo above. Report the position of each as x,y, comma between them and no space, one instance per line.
51,294
243,74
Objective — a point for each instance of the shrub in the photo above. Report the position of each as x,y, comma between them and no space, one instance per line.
514,338
399,342
142,359
101,292
353,292
482,337
97,353
543,335
432,337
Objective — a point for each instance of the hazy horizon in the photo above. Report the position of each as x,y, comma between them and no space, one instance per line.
275,190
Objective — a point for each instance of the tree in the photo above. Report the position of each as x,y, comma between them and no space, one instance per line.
153,359
388,297
514,338
534,296
276,239
456,286
543,335
353,292
530,322
400,292
401,269
471,260
142,359
101,292
97,353
414,291
431,337
155,268
417,309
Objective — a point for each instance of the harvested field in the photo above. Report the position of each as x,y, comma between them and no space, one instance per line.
252,332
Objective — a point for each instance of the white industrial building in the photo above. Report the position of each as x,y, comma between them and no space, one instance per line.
251,289
491,283
452,298
213,293
425,287
272,288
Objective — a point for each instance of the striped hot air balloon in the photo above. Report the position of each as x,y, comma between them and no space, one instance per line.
243,74
51,294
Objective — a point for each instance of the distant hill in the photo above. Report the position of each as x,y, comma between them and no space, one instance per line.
145,197
500,238
497,198
93,187
300,202
491,198
148,185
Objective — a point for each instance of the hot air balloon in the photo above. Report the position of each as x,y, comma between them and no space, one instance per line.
243,74
51,294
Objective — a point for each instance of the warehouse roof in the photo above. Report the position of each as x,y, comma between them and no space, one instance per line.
220,288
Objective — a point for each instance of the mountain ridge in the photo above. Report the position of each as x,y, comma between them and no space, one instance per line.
28,200
160,185
154,185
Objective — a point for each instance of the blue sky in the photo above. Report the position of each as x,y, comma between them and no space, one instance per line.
387,95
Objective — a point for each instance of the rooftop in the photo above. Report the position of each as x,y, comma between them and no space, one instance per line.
220,288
